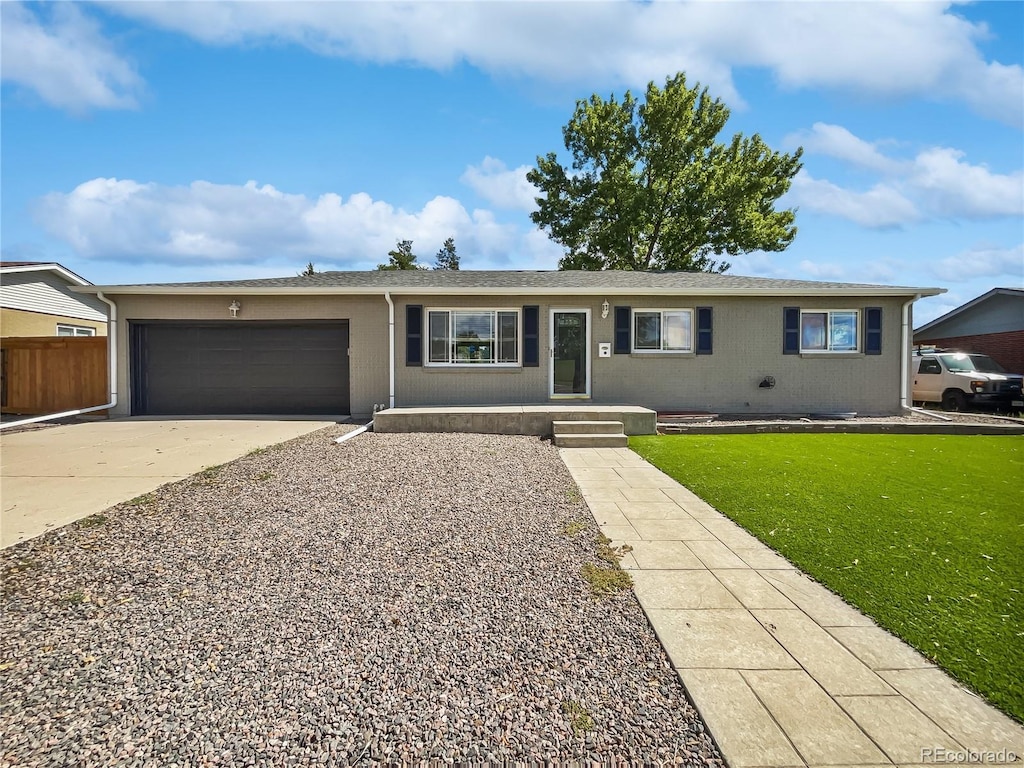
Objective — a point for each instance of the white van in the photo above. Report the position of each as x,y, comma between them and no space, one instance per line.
959,379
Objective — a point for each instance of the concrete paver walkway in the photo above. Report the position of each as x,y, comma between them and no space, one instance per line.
52,477
782,670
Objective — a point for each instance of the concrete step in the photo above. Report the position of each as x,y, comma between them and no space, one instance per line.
591,440
587,428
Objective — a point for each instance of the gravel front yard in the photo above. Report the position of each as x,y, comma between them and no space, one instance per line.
394,598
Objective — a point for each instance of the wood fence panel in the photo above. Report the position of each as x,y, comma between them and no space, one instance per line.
49,374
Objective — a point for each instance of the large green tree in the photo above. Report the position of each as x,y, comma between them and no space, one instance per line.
447,257
651,187
401,257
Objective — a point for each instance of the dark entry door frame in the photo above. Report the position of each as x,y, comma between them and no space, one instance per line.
569,375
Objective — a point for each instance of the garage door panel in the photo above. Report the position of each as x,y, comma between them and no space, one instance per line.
233,368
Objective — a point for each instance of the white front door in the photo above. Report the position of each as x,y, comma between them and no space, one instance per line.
570,353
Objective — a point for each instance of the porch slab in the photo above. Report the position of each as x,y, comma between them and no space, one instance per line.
511,419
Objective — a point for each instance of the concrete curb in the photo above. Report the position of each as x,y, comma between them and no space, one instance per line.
854,428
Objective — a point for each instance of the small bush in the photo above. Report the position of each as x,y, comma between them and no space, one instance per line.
576,526
579,719
606,581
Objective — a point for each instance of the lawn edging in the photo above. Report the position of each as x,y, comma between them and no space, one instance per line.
863,428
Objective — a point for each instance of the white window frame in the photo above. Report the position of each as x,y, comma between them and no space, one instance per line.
76,330
451,363
688,350
828,331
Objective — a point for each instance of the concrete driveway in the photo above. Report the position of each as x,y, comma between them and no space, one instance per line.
51,477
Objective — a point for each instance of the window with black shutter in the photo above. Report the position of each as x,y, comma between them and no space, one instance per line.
414,334
623,321
704,324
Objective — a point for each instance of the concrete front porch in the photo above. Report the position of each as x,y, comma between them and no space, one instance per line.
512,419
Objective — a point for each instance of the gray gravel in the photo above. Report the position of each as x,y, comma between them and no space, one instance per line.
397,598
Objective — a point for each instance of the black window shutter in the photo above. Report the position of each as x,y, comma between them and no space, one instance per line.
704,317
414,334
873,330
791,331
531,336
623,319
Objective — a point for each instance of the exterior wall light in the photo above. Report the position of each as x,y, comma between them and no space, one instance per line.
234,308
604,309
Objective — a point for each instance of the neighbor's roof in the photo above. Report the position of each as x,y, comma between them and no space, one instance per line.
7,267
519,282
1019,292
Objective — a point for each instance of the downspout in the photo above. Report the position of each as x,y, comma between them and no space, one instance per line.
905,353
112,373
391,349
905,367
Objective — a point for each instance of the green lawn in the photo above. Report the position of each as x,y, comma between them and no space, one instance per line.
925,533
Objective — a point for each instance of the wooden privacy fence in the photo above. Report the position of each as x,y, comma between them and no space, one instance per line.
50,374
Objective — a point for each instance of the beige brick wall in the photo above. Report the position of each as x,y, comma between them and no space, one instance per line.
17,322
368,332
747,347
430,385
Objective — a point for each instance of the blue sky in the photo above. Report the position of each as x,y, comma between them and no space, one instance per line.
154,142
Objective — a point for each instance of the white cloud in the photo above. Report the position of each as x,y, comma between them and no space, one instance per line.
836,141
822,270
756,264
879,207
887,50
503,188
956,188
203,224
983,261
64,58
884,271
935,184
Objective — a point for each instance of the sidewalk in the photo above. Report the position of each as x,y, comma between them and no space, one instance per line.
783,671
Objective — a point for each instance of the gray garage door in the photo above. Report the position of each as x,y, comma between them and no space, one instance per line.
239,368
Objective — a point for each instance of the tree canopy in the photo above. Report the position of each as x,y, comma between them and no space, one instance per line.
401,257
650,187
447,258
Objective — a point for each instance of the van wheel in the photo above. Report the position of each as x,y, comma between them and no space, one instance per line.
954,400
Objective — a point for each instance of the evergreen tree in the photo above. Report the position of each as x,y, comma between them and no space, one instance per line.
401,257
447,258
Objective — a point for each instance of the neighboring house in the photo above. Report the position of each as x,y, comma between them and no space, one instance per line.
345,342
36,300
992,324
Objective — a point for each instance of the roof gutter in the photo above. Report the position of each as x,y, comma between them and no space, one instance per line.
608,290
111,372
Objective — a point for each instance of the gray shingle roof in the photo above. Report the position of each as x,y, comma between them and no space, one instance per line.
507,281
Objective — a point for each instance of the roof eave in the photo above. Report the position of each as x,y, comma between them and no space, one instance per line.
966,306
64,272
166,290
